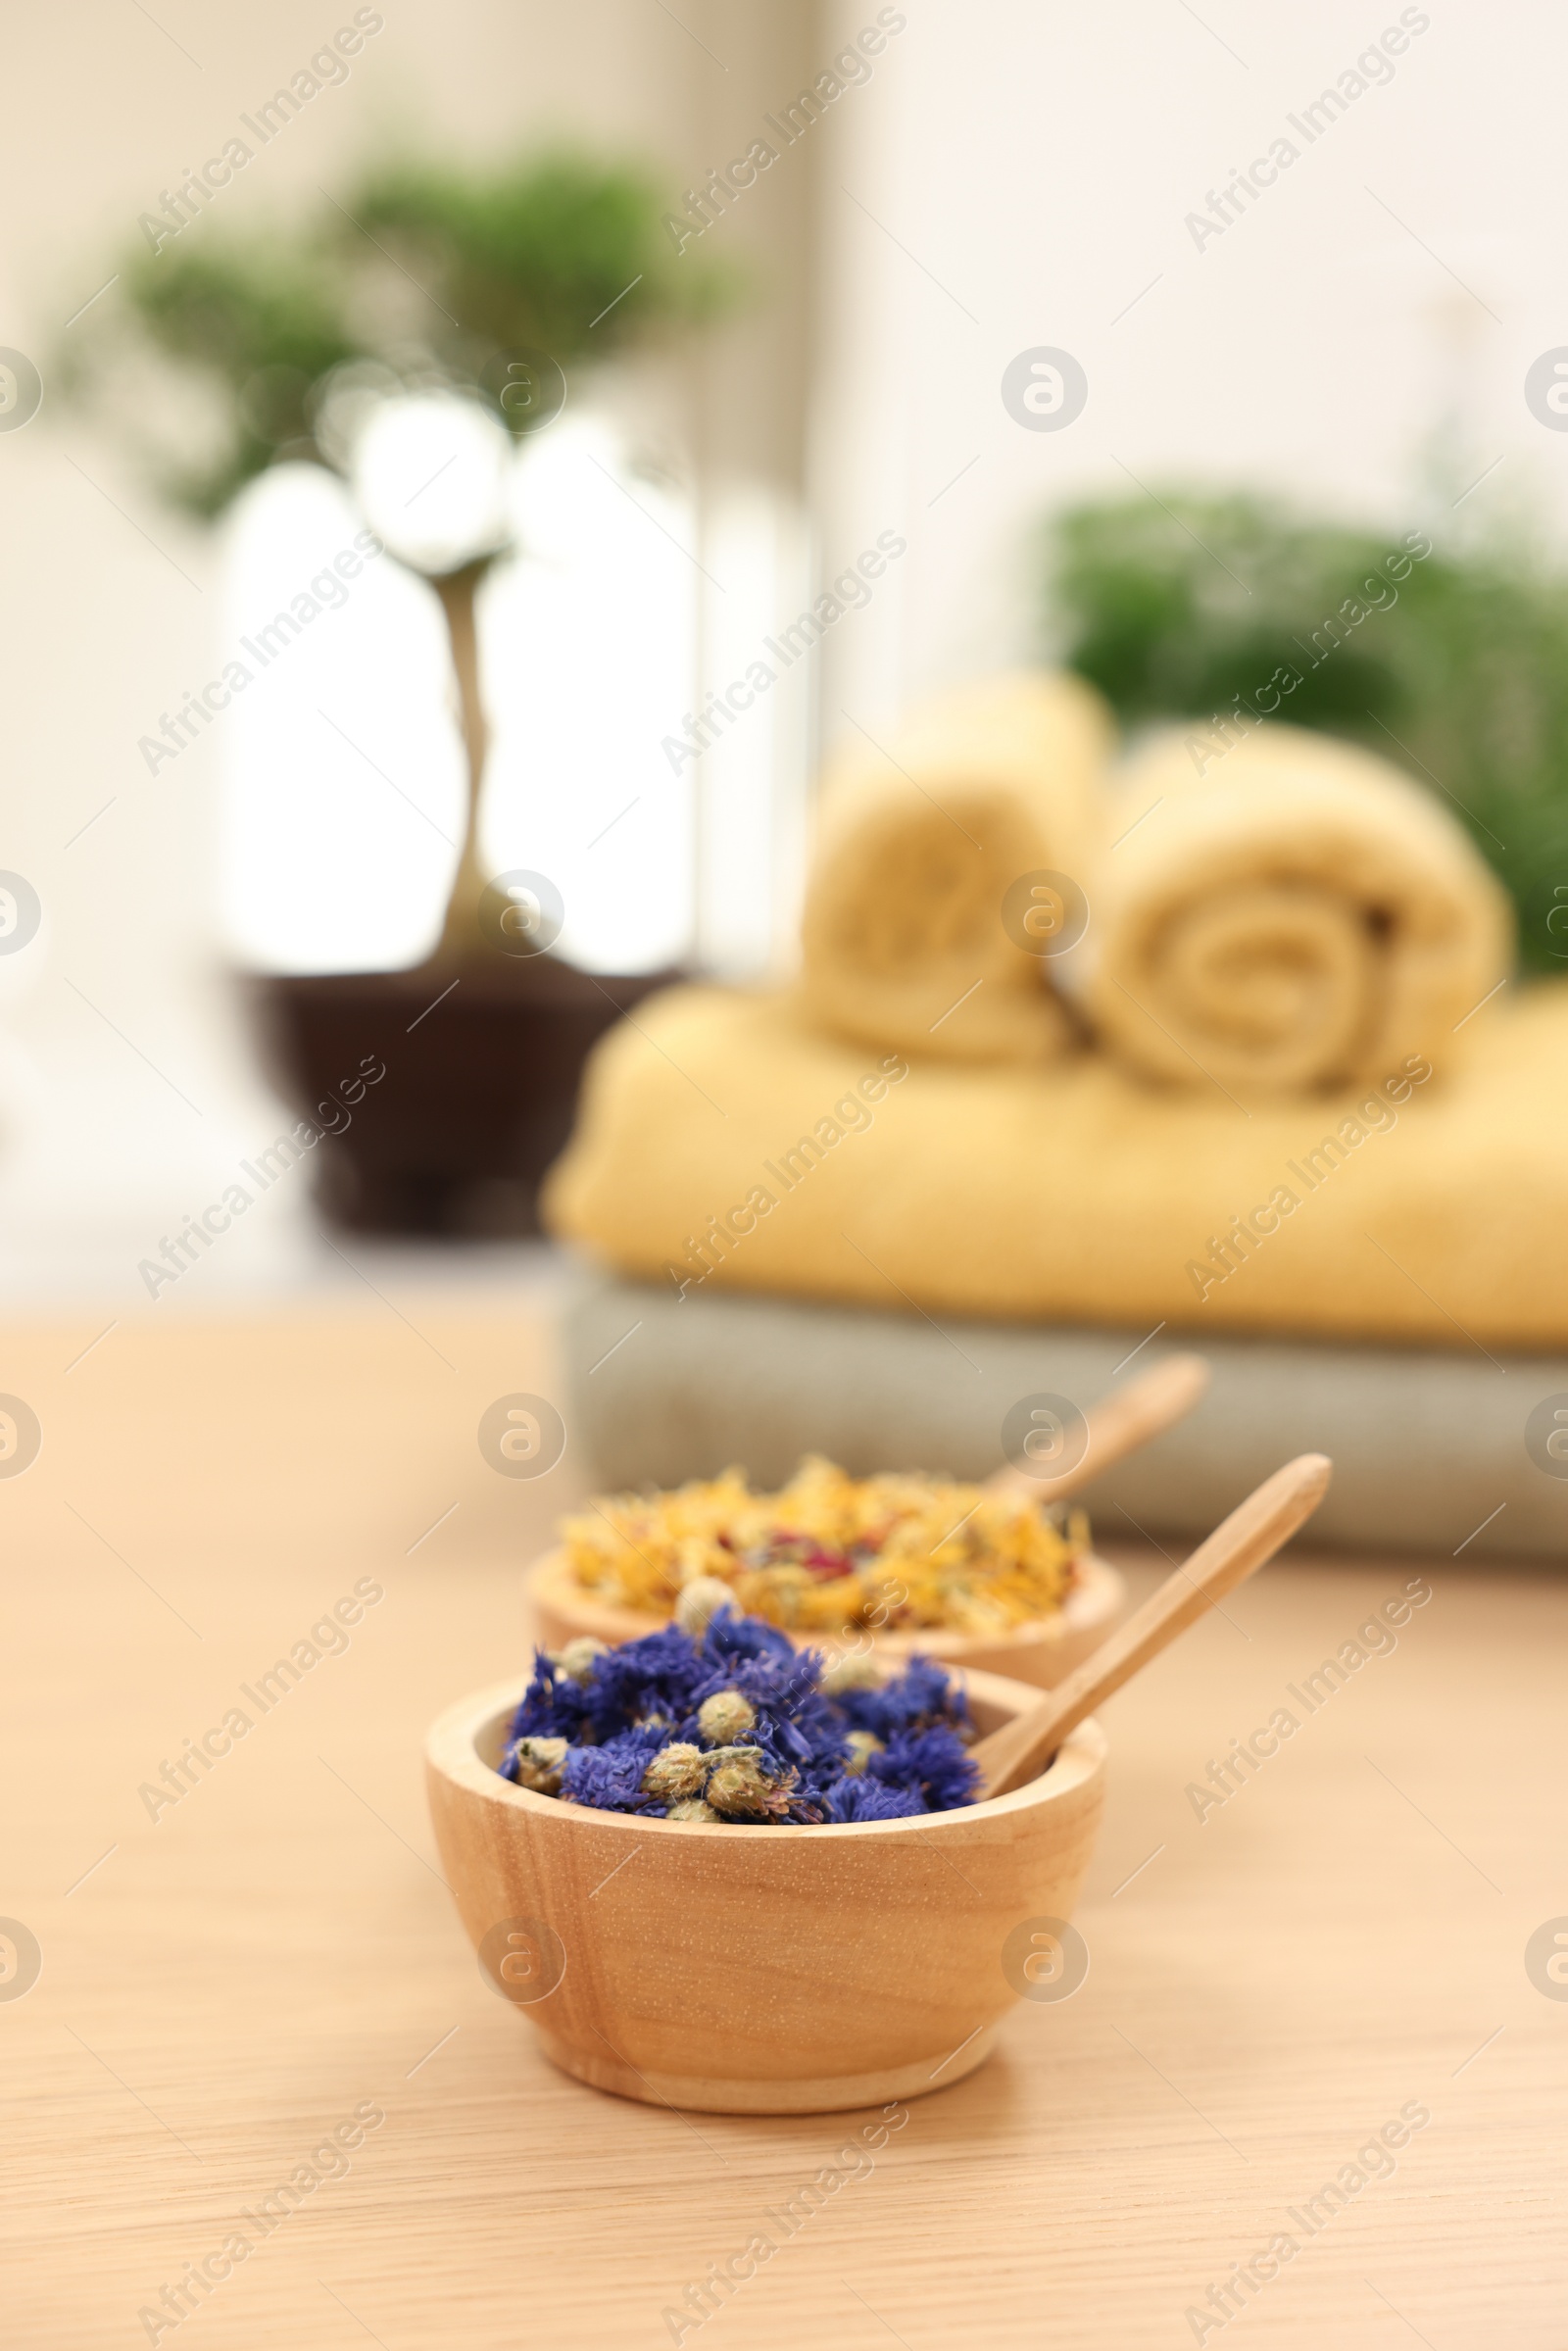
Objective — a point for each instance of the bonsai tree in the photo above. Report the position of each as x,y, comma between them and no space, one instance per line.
483,291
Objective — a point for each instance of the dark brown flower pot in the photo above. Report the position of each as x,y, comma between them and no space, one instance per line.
478,1094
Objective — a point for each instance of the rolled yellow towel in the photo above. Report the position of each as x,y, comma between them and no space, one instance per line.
1286,914
921,837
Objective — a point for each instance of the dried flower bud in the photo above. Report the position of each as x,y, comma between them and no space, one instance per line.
740,1788
722,1718
854,1669
862,1745
538,1764
574,1662
700,1602
692,1808
676,1770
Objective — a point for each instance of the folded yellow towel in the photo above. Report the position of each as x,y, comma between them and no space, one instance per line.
720,1133
1297,916
920,836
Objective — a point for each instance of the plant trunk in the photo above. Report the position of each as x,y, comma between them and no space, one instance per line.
458,593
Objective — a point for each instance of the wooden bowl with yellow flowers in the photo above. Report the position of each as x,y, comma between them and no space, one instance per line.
979,1577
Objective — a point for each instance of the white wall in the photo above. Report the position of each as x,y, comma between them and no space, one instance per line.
1035,164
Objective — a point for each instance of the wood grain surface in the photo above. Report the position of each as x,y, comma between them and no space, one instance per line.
1341,1940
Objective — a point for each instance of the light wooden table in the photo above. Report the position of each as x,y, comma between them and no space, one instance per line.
222,1986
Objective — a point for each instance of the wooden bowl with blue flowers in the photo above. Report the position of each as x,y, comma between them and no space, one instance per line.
747,1968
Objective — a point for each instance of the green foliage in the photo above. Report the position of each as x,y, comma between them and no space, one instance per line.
1458,672
262,324
427,270
539,252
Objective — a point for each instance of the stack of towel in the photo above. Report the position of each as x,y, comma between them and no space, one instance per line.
1210,1039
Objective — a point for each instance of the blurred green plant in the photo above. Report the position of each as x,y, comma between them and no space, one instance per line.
420,279
1176,607
562,253
426,271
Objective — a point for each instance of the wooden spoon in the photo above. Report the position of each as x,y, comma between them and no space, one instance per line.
1118,1426
1253,1532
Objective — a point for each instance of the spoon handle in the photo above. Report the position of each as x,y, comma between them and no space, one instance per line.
1117,1424
1252,1533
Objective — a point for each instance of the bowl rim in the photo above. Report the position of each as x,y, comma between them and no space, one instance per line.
545,1577
453,1754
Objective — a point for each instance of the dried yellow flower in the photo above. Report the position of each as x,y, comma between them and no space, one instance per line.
692,1808
829,1554
854,1668
862,1745
676,1770
724,1717
575,1660
540,1762
740,1788
700,1602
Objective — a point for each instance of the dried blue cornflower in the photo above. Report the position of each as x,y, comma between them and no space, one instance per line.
862,1799
610,1776
658,1674
732,1723
920,1696
929,1764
